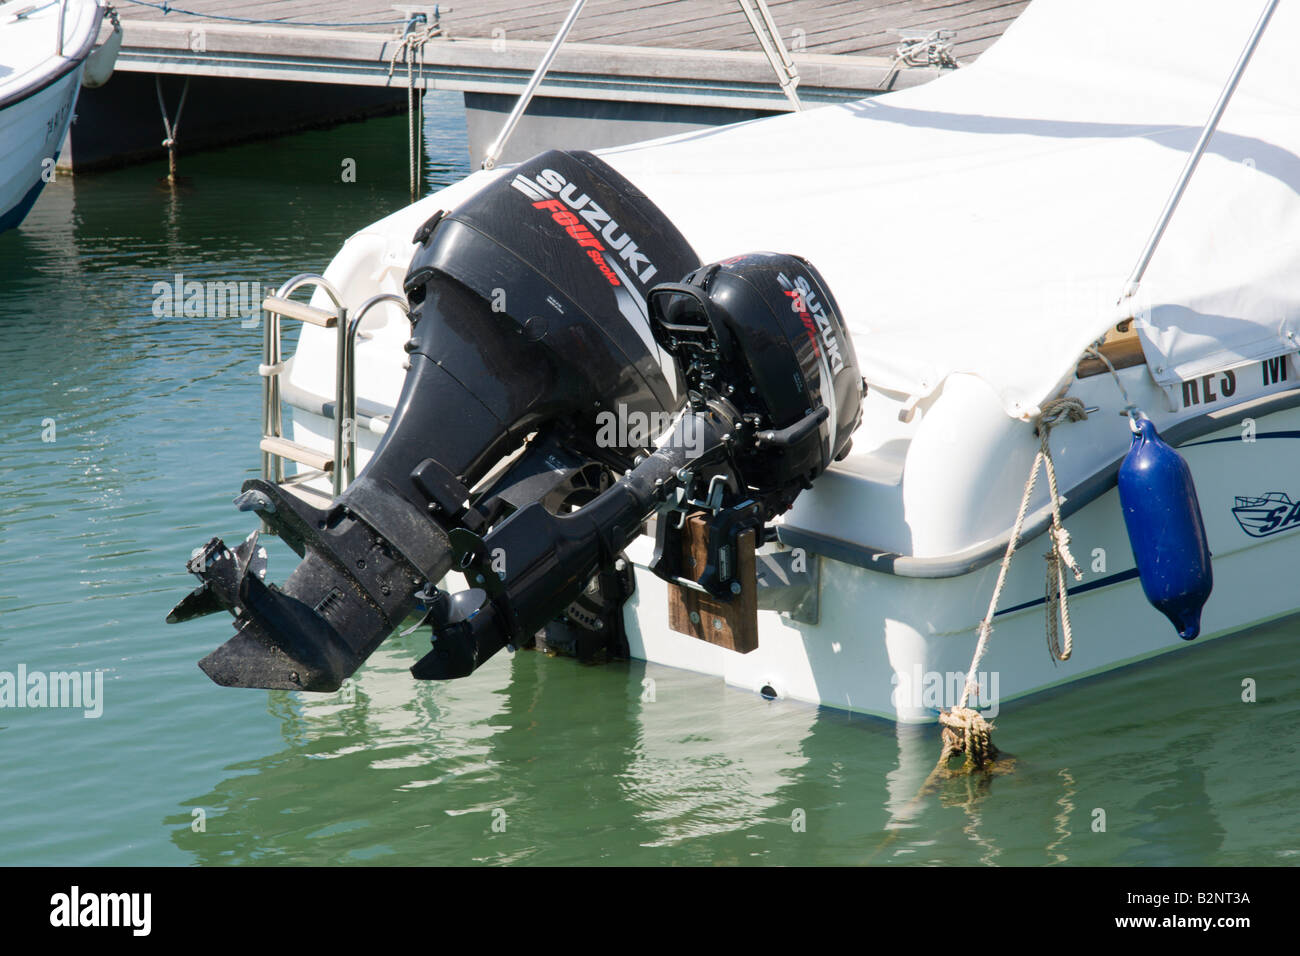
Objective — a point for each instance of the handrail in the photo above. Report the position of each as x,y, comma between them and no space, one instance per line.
494,151
345,392
348,395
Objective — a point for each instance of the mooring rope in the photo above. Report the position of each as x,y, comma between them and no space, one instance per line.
1054,412
1058,555
1129,408
965,731
410,49
171,126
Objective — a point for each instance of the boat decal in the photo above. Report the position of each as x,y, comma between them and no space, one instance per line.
1260,436
803,301
633,308
543,192
1267,514
1201,391
1213,388
57,124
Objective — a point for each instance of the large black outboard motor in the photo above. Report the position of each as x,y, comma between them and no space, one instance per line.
534,323
528,306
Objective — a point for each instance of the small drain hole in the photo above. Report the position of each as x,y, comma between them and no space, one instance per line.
767,692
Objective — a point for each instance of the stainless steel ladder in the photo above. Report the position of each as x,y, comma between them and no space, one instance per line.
275,448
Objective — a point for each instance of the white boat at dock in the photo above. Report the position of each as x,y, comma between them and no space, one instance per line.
975,234
43,51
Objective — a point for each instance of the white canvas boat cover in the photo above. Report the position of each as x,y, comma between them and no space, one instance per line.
986,222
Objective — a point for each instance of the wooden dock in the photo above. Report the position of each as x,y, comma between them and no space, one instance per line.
683,52
862,28
629,68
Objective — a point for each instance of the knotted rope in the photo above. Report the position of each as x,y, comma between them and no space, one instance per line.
965,731
171,126
1058,555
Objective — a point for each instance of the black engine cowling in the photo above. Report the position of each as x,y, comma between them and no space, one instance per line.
769,321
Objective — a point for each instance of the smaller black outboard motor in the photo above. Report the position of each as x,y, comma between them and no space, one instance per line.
534,313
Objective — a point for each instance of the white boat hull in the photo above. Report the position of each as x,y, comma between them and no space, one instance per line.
898,648
43,51
33,130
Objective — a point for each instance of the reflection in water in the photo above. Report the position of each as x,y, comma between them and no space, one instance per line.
353,781
580,765
1061,822
700,770
1175,818
575,764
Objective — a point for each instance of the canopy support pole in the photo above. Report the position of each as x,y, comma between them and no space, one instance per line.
1139,270
493,155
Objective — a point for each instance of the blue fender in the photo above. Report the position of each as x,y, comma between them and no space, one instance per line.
1165,529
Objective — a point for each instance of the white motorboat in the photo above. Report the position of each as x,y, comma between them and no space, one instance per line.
43,51
975,234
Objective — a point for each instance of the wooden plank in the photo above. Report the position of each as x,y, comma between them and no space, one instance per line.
683,52
578,59
730,624
878,26
1122,348
275,10
317,460
729,29
292,309
963,26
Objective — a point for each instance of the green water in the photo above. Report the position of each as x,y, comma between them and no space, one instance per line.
154,430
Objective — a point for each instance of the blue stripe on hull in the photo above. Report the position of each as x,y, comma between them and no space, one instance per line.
1260,436
18,213
1105,582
